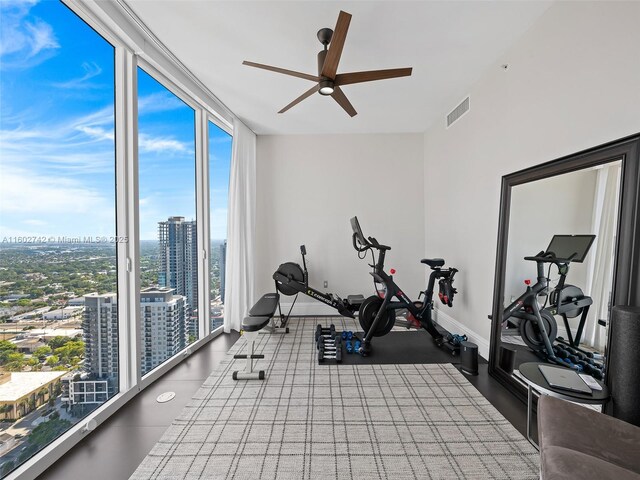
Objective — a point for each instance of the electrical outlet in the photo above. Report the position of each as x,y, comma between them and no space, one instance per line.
326,284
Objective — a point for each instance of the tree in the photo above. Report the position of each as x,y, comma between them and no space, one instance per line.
59,341
69,350
42,352
15,362
42,393
6,347
6,408
53,360
14,366
48,431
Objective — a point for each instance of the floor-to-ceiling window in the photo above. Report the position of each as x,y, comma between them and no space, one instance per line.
219,169
58,269
168,225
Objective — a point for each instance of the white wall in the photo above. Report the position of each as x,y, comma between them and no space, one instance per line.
573,82
308,188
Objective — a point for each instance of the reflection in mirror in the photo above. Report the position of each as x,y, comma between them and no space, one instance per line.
559,269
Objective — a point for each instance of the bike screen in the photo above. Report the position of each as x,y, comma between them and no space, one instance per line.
563,246
355,226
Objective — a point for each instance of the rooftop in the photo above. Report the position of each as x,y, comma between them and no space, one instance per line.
23,383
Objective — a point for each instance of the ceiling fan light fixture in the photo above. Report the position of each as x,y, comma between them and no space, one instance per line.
326,87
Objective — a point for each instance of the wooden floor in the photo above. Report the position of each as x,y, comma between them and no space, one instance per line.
115,449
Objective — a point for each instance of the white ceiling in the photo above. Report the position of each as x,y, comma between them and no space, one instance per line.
448,44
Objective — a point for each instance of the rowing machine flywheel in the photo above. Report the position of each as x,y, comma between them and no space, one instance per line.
292,271
569,294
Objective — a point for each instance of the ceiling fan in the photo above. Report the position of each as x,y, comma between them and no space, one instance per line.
328,81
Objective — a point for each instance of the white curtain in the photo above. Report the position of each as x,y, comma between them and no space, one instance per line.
601,271
240,263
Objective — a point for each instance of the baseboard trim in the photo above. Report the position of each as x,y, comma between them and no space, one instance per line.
309,309
446,321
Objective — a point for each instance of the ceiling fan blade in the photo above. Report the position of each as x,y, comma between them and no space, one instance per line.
306,94
339,96
306,76
371,75
330,66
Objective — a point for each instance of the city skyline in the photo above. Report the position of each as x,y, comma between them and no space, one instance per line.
57,183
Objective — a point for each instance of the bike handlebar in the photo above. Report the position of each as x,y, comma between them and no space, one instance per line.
363,248
550,257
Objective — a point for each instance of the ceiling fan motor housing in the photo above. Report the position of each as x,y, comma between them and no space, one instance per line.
324,35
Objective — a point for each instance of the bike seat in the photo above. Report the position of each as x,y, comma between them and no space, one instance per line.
433,262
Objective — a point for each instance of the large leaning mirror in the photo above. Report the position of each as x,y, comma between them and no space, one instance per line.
564,258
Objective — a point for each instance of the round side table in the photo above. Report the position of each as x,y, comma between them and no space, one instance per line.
532,376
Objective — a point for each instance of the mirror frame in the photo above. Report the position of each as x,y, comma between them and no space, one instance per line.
626,277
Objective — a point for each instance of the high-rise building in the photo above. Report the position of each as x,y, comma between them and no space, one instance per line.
99,380
100,326
178,250
164,326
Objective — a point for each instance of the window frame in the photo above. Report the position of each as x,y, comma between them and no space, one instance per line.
135,46
218,122
176,90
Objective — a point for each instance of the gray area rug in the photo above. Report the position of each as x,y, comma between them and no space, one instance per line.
337,422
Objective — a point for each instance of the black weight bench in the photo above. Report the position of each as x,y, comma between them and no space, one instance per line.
259,317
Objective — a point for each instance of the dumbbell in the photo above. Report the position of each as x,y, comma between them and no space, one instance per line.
334,351
574,358
578,353
560,352
349,346
325,332
347,335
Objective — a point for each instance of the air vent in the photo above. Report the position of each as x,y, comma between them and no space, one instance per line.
457,112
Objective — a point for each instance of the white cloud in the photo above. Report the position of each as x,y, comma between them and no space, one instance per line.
35,222
147,143
22,42
40,37
158,102
80,145
27,193
97,132
104,116
91,69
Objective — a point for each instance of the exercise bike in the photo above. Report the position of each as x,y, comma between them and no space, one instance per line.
377,314
537,326
291,279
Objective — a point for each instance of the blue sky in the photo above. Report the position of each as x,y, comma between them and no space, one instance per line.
57,133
